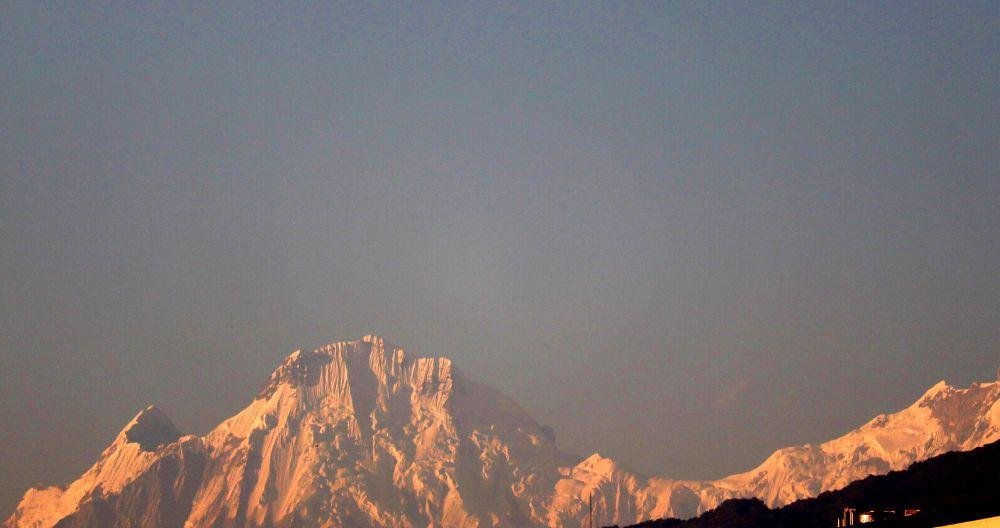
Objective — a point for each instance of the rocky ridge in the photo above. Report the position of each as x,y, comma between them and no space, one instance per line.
362,434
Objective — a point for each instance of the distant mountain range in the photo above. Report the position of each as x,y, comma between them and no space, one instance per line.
950,488
360,433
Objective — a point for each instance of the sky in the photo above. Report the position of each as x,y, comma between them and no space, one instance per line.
681,234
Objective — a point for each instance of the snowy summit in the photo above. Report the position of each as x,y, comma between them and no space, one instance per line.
360,433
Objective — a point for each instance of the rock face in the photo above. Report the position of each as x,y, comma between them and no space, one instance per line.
360,434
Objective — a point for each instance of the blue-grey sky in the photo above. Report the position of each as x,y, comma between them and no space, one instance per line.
681,234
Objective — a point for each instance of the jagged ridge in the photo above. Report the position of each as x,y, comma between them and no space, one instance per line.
360,434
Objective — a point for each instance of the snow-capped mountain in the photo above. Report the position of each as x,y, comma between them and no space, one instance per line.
361,434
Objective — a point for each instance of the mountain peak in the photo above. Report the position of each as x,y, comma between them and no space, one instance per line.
151,428
372,340
940,387
598,464
302,367
357,433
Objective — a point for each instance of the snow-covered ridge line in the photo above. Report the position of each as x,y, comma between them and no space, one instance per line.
358,433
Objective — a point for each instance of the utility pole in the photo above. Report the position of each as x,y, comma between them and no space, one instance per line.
591,502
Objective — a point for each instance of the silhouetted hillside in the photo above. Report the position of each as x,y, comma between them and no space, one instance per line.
953,487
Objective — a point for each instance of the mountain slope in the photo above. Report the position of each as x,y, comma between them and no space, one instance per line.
361,434
949,488
944,419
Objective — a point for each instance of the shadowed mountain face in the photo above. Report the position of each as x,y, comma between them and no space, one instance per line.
151,429
361,434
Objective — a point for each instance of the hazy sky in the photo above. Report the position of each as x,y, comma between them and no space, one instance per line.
681,234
